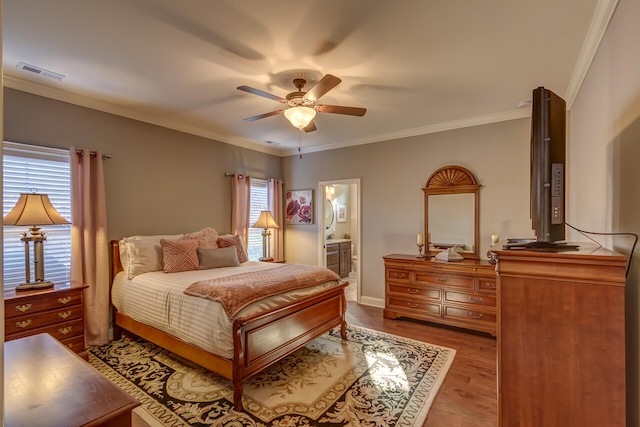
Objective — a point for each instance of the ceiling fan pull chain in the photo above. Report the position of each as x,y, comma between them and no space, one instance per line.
300,142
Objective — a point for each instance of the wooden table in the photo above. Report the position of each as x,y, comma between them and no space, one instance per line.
45,384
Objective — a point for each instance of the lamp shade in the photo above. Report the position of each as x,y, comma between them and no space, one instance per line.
34,209
300,116
266,221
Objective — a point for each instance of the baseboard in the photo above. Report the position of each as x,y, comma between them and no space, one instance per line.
375,302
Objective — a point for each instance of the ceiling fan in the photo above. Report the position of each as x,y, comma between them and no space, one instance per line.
301,107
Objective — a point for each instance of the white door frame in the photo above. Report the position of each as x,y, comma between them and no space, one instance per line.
322,256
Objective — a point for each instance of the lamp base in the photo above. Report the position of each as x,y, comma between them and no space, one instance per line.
30,286
266,259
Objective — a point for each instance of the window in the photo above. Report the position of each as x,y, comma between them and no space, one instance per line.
259,202
27,168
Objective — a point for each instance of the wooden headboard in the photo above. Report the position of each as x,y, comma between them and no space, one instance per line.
116,265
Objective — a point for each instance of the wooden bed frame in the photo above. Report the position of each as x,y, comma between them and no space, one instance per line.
258,340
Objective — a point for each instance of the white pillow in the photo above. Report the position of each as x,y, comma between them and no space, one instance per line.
142,254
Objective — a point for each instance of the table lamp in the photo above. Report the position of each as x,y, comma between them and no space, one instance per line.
265,221
33,210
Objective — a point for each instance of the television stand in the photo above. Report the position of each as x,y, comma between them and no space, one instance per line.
541,246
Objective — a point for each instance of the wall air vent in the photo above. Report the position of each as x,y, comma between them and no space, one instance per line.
40,71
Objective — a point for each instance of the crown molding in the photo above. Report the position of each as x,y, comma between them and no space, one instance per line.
599,24
95,104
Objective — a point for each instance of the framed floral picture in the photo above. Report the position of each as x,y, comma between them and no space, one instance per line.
299,207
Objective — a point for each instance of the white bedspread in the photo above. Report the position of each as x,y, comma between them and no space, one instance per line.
157,299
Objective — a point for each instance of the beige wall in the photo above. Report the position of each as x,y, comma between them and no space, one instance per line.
604,156
392,176
158,181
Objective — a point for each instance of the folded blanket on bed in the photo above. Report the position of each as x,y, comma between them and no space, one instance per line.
239,290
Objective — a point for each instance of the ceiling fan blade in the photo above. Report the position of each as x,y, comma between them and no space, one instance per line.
323,86
310,127
262,93
262,116
338,109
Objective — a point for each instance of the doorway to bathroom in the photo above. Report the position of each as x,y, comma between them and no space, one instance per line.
339,231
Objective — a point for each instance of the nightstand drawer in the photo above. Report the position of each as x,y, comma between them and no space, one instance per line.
48,302
60,331
36,320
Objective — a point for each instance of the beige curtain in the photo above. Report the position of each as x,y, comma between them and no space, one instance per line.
89,242
274,194
240,207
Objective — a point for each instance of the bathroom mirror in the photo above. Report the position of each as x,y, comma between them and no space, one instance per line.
451,211
329,217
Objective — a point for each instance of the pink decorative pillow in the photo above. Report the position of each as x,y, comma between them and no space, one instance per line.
227,241
207,238
180,255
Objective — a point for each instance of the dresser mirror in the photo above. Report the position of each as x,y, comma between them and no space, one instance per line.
451,211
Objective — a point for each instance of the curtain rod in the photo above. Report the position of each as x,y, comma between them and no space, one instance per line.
232,174
105,156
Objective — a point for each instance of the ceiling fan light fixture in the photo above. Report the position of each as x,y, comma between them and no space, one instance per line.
300,116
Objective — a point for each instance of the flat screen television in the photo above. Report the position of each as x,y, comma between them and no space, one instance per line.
548,160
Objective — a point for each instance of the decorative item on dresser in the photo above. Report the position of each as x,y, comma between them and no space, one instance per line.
461,293
58,311
561,338
339,256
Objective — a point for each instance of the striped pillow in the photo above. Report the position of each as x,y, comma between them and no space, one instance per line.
228,241
180,255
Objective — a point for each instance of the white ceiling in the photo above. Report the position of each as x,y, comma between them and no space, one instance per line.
418,66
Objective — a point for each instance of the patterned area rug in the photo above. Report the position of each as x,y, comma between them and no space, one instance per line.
372,379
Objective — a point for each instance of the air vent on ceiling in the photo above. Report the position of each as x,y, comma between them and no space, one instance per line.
40,71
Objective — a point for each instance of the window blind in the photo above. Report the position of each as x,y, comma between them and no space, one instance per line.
258,202
25,169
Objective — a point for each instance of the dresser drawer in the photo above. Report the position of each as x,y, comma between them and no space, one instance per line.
76,344
445,280
476,315
418,306
467,298
431,293
32,305
60,331
36,320
398,276
487,285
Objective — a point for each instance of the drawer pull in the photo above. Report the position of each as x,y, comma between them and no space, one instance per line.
64,300
23,324
64,314
412,305
443,280
400,275
475,315
66,330
413,290
476,299
23,308
490,285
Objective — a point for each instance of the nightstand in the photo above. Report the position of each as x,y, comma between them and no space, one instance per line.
58,311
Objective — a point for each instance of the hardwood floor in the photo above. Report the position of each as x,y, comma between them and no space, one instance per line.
468,396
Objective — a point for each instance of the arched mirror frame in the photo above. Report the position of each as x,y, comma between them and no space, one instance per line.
453,180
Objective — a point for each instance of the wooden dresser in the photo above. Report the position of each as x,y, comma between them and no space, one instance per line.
47,385
58,311
460,293
561,338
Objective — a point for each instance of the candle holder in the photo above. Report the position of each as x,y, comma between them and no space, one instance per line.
420,251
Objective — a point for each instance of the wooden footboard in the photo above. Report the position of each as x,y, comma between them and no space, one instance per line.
258,340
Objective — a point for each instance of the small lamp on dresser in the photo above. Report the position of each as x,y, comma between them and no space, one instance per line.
266,222
33,209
